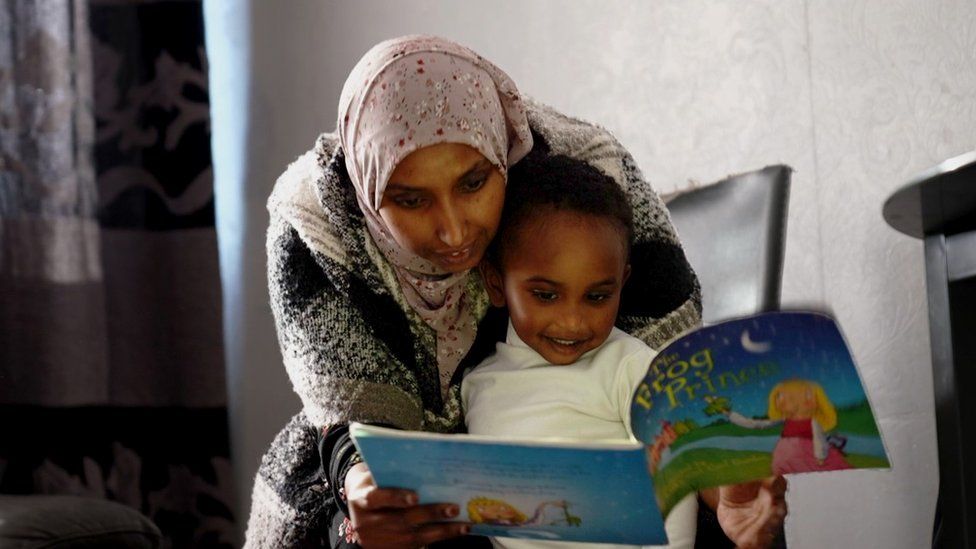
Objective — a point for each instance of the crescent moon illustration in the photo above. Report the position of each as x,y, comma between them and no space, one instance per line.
754,346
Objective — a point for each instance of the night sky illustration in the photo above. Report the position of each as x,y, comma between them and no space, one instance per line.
801,346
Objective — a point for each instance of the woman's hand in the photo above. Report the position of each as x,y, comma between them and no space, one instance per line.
391,518
752,513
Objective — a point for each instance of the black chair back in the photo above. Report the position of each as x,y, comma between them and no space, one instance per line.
734,234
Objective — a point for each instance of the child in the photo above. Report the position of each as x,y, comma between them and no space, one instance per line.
559,264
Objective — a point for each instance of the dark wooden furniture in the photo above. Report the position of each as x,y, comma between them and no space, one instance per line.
939,206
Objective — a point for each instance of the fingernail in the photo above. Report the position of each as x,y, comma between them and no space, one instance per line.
451,511
412,499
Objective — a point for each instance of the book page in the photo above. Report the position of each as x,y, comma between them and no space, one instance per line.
599,494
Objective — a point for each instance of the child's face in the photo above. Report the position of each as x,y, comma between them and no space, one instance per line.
561,280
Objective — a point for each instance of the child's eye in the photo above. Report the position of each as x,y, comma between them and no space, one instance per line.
544,296
598,298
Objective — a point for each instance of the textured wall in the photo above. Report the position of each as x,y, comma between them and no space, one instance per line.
894,92
857,96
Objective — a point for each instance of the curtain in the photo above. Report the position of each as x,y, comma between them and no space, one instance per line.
111,355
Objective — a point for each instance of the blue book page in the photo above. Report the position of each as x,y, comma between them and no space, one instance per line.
559,492
775,393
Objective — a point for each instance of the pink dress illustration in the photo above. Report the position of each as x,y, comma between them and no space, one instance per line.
806,414
803,447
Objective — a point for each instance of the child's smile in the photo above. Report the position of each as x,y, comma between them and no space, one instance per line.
568,347
562,299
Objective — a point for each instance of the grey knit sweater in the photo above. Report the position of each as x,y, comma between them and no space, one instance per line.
354,349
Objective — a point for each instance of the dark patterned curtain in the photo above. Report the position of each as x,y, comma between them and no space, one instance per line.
111,355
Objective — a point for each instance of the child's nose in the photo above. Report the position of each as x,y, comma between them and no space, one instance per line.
571,319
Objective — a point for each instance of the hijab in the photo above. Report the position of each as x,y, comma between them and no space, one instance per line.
412,92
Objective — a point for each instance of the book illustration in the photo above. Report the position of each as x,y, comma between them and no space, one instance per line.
776,393
660,444
483,510
802,408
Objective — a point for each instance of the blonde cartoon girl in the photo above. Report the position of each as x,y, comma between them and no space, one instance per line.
484,510
494,511
806,414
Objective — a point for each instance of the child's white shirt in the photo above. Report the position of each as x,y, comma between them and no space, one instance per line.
516,393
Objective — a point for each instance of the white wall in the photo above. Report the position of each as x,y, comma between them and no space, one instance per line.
857,95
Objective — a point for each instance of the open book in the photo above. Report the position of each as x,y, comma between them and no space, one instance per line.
774,393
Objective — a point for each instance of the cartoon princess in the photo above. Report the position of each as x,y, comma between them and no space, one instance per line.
806,414
496,512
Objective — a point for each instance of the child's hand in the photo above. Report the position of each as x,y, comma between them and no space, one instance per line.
752,513
391,517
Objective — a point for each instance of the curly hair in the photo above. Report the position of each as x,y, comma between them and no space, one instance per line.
558,183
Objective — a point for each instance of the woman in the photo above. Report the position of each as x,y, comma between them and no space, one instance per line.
373,238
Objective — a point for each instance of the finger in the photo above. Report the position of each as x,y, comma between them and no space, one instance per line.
358,482
775,488
777,485
357,477
779,511
376,499
430,533
435,512
738,494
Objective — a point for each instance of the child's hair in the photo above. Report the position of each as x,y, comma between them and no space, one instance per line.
826,414
563,184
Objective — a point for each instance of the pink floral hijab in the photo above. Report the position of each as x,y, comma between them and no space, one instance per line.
411,92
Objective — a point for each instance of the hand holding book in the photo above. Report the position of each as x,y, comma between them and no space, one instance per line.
391,517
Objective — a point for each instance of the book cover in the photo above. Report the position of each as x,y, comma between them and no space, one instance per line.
775,393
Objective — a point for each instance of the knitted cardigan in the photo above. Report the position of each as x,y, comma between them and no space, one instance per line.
355,351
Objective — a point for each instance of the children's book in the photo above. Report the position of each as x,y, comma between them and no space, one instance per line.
774,393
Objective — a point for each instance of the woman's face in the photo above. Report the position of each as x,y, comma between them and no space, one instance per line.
443,203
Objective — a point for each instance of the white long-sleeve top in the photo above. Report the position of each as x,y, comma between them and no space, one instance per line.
515,393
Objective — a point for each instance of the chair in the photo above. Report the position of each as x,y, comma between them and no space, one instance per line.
734,235
42,521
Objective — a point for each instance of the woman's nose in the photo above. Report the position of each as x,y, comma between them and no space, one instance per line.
452,228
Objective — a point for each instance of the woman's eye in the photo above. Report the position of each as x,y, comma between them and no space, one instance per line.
543,295
473,184
409,202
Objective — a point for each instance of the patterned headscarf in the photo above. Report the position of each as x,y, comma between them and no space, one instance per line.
412,92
